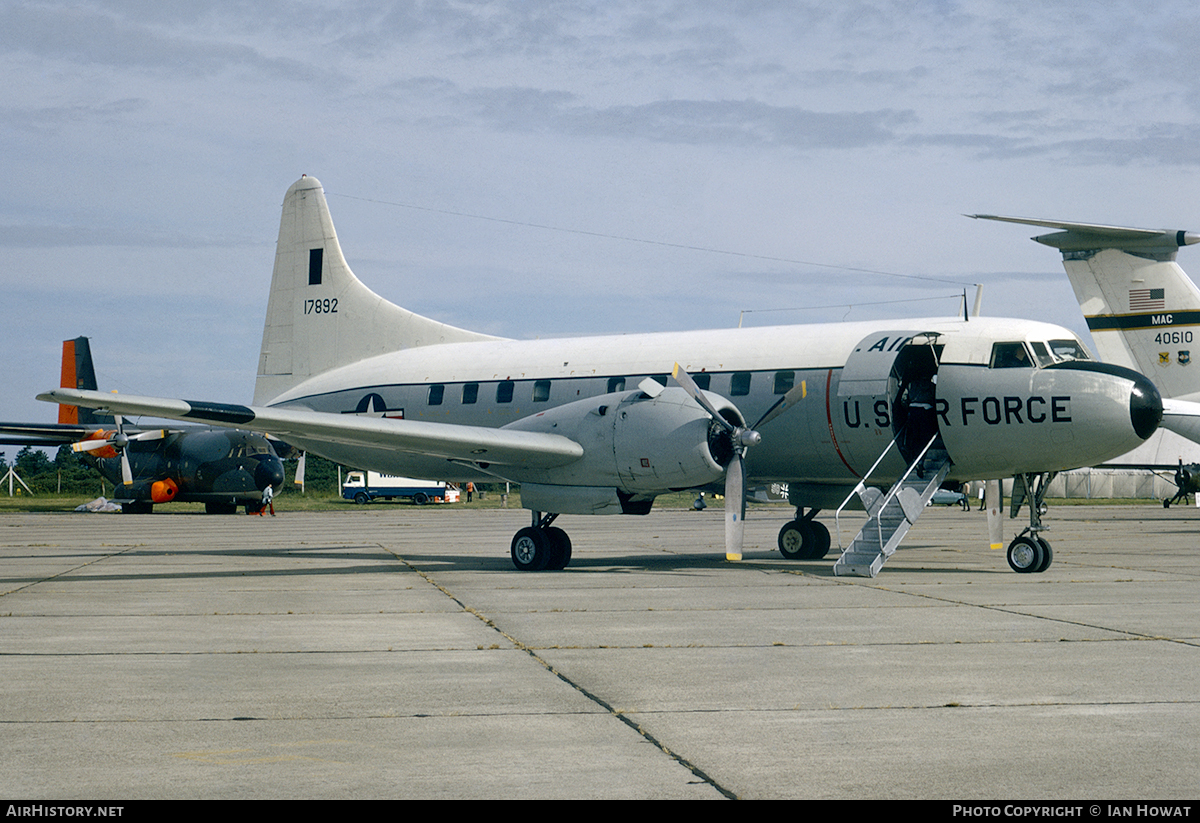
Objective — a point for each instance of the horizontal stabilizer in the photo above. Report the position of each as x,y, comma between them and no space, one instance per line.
1078,237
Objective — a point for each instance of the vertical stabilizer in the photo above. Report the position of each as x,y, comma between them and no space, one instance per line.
78,373
1144,314
1142,309
319,315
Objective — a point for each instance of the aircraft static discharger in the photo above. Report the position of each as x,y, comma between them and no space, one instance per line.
221,468
868,413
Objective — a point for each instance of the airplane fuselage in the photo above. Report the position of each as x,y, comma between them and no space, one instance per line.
995,421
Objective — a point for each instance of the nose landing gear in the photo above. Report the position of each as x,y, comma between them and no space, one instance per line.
1030,553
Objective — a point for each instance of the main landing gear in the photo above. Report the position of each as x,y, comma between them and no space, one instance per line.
1030,553
804,538
541,547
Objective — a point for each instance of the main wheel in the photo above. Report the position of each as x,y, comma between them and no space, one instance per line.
221,507
822,540
797,539
1025,555
530,549
560,548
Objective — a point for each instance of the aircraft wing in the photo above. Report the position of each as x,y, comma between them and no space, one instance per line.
42,434
472,444
1182,417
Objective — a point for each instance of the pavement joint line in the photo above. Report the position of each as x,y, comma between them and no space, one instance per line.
67,571
1183,641
594,698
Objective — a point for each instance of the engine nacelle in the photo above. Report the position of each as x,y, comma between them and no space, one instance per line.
633,444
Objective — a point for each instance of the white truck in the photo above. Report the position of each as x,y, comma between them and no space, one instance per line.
363,487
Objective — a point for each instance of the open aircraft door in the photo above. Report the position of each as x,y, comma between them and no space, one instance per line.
887,391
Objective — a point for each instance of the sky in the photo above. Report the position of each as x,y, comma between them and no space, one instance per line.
545,169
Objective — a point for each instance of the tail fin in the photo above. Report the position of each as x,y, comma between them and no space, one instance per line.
78,373
1141,308
319,315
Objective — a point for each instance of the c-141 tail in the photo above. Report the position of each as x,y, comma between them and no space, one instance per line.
1142,309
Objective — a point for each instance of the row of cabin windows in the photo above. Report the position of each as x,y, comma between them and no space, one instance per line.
739,386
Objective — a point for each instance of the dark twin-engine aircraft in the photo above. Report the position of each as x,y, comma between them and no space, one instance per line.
221,468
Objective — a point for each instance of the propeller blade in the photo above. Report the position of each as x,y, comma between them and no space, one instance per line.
126,472
784,403
735,506
89,445
299,481
689,385
993,497
154,434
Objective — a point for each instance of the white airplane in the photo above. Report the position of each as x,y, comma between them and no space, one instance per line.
595,425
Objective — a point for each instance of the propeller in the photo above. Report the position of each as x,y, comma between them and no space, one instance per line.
116,442
736,439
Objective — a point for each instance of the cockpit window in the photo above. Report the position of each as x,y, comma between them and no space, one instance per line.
1041,353
1069,350
1010,356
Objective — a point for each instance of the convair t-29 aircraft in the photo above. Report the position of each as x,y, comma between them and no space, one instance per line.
878,414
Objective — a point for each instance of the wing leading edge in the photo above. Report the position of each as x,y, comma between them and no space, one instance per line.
469,444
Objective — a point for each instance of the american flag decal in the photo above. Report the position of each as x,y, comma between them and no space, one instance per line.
1146,300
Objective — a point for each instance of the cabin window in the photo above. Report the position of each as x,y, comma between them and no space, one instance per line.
504,392
1069,350
784,381
470,393
1041,353
739,384
703,380
436,392
616,384
541,391
1010,356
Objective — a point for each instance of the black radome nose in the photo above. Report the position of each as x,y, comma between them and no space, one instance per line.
270,472
1145,406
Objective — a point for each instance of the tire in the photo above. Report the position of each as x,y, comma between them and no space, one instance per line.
420,498
362,498
530,550
220,508
1025,555
796,540
1047,556
560,548
822,542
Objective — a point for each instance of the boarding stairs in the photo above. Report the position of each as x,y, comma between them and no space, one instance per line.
890,515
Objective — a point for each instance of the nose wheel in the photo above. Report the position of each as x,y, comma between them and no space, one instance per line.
1030,553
